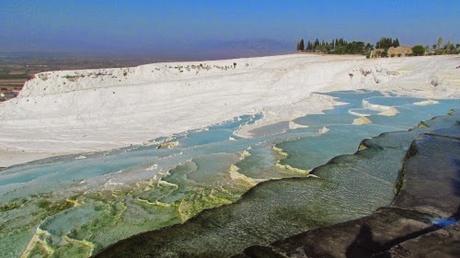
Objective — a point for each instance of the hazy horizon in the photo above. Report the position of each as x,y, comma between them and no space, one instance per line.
191,29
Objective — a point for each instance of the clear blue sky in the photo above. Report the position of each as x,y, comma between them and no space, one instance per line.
165,25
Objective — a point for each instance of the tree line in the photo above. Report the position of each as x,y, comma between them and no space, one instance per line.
337,46
340,46
441,48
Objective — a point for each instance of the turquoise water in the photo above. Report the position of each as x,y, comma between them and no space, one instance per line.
101,198
343,136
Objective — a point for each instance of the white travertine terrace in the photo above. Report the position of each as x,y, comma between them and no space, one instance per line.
67,112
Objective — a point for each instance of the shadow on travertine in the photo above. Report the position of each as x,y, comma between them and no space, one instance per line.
421,222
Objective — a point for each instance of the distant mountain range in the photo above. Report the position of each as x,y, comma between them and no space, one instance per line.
242,48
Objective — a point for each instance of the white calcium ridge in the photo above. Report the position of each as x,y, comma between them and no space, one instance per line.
69,112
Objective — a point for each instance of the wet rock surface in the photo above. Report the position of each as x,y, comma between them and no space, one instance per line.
431,176
421,222
440,243
422,216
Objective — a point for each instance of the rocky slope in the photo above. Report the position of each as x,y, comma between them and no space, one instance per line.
421,222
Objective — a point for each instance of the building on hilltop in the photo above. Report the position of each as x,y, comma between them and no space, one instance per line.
391,52
399,51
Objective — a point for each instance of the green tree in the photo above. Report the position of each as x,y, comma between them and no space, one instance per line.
439,43
316,44
450,48
309,46
418,50
301,45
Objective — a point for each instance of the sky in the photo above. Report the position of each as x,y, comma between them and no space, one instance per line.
163,27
